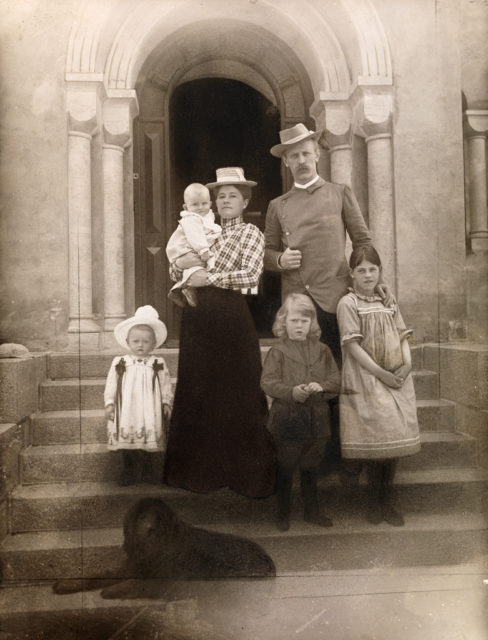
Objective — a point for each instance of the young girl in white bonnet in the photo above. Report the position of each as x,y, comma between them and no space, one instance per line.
138,397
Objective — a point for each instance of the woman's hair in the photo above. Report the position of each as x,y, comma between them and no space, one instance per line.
245,190
368,253
142,326
302,304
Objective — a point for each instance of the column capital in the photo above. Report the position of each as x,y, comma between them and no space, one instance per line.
373,109
476,122
83,105
119,109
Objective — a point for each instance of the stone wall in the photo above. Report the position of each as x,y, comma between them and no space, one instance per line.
428,163
33,169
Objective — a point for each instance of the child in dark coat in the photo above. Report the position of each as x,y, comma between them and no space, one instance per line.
301,376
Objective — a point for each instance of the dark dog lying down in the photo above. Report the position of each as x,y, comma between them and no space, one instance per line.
161,547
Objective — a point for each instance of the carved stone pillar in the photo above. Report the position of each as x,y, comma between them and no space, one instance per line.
82,122
476,127
380,198
118,113
373,122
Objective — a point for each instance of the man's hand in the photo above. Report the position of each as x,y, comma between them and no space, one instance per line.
198,279
189,260
290,259
110,412
385,292
314,387
300,393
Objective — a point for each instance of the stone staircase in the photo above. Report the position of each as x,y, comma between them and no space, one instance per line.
65,517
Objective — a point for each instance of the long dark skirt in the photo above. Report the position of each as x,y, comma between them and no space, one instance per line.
217,435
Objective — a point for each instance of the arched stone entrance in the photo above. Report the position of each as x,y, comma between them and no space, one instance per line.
327,66
241,80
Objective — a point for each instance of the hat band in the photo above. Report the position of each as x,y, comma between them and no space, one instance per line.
299,137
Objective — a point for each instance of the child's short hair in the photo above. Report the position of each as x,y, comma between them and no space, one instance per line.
303,304
368,253
195,187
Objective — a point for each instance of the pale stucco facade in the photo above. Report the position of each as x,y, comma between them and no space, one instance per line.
400,86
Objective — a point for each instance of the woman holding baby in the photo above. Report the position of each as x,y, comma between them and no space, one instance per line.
217,433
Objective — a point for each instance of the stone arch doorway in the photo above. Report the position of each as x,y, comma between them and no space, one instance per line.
221,106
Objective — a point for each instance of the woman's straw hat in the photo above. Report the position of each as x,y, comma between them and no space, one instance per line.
144,315
288,137
231,175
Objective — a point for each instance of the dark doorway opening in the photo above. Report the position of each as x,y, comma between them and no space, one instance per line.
217,122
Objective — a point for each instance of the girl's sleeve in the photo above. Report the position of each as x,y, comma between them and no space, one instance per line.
165,385
272,376
331,384
111,384
251,246
348,320
400,325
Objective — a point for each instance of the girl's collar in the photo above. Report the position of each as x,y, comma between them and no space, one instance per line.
137,359
374,298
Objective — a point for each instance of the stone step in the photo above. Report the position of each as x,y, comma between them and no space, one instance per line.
96,364
425,540
102,504
87,393
89,425
92,462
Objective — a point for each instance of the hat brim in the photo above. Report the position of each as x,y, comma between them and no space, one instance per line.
278,149
121,331
235,183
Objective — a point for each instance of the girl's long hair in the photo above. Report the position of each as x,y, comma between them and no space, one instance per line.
301,303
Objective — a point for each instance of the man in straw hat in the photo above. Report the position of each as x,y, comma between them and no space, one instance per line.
306,228
305,234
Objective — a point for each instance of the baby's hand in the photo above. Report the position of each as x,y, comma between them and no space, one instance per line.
314,387
110,412
300,393
205,256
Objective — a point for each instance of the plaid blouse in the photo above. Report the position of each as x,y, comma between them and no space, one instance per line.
239,254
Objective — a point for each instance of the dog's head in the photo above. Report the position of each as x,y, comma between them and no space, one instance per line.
148,524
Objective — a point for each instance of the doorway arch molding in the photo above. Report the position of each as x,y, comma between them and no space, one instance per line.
231,49
340,44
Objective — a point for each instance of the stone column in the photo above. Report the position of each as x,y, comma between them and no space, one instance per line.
118,113
476,126
380,197
113,235
373,121
82,124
